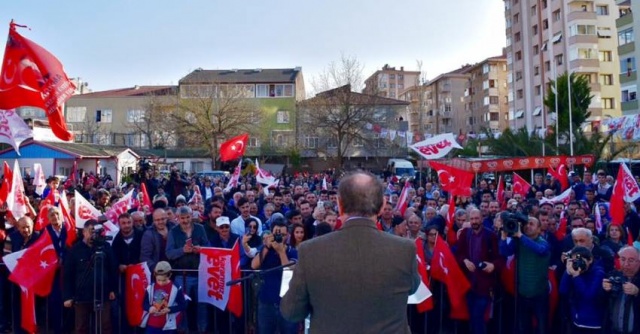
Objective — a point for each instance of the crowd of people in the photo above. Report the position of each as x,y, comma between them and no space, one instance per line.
596,269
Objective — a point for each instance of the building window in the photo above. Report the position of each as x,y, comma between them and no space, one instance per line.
517,37
358,142
606,79
518,75
332,143
547,66
625,37
582,29
537,90
494,116
135,116
628,65
535,29
545,24
558,59
556,38
536,70
583,54
556,16
534,10
518,55
536,50
602,10
102,139
104,116
285,90
516,18
254,142
519,94
494,99
282,117
76,114
607,103
311,142
604,32
629,94
605,56
262,90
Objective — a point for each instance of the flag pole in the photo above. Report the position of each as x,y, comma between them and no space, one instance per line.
570,113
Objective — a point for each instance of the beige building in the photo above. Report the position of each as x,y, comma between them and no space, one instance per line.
116,117
546,38
486,96
417,109
390,82
627,26
446,102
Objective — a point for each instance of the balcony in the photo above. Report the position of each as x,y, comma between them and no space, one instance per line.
624,20
582,15
445,115
623,3
595,87
583,64
584,39
629,107
626,49
630,77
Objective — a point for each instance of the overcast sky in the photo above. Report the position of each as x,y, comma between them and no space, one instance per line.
118,43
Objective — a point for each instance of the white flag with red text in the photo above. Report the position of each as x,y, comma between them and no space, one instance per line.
16,201
264,176
121,206
436,147
84,210
213,273
39,180
13,129
235,178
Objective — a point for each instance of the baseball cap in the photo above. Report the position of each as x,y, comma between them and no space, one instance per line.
163,268
222,221
181,199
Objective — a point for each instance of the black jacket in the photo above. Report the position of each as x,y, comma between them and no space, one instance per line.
127,253
80,268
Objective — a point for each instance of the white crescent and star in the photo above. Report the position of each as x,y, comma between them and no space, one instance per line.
238,145
44,263
444,268
448,178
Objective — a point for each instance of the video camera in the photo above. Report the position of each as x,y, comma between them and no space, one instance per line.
512,222
99,236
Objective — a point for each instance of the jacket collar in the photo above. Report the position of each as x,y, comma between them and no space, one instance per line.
359,222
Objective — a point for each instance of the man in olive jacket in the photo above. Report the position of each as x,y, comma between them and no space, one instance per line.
356,280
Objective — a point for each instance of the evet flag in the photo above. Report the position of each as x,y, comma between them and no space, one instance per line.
121,206
436,147
213,274
84,210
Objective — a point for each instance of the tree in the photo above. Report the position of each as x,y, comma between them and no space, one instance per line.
211,113
153,124
92,131
580,100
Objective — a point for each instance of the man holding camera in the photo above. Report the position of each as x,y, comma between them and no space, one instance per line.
477,253
622,288
90,267
273,253
532,261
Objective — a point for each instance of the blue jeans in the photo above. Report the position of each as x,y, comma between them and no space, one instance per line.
477,308
191,289
270,319
538,307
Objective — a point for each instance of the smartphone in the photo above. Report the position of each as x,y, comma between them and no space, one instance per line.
189,242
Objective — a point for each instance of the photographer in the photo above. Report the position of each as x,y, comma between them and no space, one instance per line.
273,253
532,258
622,288
580,284
90,266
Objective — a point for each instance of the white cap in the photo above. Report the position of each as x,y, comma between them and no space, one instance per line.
222,221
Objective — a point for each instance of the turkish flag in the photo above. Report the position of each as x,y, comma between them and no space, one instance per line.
69,222
624,190
403,200
235,304
452,238
137,278
453,180
561,232
234,148
500,193
43,217
16,200
34,268
28,310
520,185
146,199
71,180
7,176
445,269
508,275
31,76
427,304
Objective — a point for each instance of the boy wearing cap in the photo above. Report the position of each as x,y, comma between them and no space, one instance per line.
163,302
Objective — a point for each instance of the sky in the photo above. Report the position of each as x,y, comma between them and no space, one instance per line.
121,43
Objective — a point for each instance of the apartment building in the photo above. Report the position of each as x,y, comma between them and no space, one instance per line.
546,38
446,102
486,96
627,25
418,108
390,82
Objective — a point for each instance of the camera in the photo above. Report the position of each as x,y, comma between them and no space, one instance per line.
512,222
99,236
278,237
617,280
578,263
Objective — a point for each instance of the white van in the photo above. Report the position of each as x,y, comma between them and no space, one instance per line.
401,167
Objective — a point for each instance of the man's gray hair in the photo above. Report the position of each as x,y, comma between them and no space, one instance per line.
184,210
624,248
581,231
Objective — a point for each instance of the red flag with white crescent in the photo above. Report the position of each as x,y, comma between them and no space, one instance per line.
34,267
234,148
403,200
500,192
427,304
520,185
31,76
137,278
453,180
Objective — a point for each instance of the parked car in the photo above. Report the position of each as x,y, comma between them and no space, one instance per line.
213,173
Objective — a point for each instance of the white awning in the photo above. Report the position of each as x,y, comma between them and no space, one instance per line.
537,111
520,114
556,38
